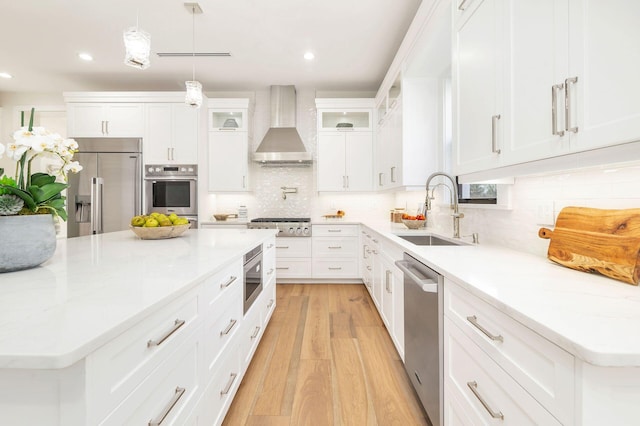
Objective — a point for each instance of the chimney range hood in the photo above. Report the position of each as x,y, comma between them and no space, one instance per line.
282,145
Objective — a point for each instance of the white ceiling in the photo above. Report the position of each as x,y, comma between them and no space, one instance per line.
354,42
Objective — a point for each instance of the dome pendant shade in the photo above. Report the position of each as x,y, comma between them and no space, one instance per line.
194,93
138,48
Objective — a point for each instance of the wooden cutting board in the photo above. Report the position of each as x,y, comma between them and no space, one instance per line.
597,240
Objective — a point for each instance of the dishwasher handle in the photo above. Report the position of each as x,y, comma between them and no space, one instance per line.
427,284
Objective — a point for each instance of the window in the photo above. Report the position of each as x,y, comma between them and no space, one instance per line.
477,193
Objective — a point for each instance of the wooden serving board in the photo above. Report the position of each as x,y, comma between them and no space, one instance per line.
597,240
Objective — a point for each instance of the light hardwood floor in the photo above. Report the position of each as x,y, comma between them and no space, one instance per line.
325,359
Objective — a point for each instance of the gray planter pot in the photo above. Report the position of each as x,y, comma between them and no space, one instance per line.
26,241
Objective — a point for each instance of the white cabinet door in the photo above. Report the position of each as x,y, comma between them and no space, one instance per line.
158,134
228,161
105,120
604,56
184,134
477,87
331,162
536,59
358,161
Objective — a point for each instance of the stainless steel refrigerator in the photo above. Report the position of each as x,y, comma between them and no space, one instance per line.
107,193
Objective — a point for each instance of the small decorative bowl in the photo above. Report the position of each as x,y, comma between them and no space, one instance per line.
414,224
160,232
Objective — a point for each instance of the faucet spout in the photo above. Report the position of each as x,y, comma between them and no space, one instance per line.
454,191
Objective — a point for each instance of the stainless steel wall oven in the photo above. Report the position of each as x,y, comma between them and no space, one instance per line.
172,189
252,276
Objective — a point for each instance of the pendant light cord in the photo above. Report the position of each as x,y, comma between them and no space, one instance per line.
193,43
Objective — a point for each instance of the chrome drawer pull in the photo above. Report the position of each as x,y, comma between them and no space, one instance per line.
228,387
232,323
176,397
368,268
334,230
495,414
461,5
474,320
282,267
176,325
269,246
270,304
270,271
282,247
335,247
568,104
255,333
375,241
228,283
335,269
554,110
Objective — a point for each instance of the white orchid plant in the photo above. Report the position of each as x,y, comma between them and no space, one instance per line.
39,192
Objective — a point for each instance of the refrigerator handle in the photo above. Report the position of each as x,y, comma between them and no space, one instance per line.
96,205
137,192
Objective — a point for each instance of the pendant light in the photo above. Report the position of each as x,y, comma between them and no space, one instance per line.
138,47
194,88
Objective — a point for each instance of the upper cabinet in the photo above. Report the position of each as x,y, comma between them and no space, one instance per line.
228,146
99,119
345,144
171,133
535,80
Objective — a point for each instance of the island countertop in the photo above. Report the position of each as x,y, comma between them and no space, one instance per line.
97,286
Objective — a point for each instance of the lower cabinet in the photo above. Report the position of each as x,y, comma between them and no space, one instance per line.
335,251
293,257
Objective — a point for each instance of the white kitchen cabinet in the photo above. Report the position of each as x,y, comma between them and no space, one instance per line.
88,119
293,257
389,144
366,261
345,161
335,251
477,89
171,133
371,271
345,144
516,365
228,145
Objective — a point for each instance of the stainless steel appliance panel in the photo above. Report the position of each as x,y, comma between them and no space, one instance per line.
171,189
107,193
423,334
252,276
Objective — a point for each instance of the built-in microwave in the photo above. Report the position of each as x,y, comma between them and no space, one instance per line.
171,189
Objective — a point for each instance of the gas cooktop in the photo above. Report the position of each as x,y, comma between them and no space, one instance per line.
288,226
281,219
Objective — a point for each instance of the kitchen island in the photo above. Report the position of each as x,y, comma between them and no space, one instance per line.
89,336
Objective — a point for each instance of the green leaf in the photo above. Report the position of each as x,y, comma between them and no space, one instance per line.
26,197
41,179
46,192
31,119
58,206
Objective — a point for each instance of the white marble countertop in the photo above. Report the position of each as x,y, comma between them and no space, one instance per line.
96,287
593,317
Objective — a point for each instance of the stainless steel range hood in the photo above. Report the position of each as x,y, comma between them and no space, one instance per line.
282,145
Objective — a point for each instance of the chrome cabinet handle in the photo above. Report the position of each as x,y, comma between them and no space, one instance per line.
568,104
282,247
375,251
335,268
270,271
380,179
227,129
334,230
386,279
282,267
495,414
269,246
227,388
102,127
106,126
255,332
176,325
554,110
344,185
474,320
368,268
227,330
228,283
335,247
494,134
461,5
347,177
168,153
365,250
165,412
244,181
270,303
393,174
375,241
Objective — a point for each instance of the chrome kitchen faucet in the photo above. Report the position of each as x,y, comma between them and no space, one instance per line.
454,191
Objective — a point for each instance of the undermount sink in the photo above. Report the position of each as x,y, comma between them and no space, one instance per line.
431,240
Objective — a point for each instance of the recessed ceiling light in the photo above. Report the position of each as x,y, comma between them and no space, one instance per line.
85,56
5,75
309,56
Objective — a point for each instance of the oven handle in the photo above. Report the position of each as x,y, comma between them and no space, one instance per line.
425,283
193,178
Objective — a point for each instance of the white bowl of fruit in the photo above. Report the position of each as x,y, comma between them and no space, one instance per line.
414,222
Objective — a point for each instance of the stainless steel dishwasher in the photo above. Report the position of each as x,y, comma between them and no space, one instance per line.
423,339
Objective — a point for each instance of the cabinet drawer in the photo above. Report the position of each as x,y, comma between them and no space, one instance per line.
117,368
222,388
335,230
539,366
251,331
335,247
221,282
269,304
220,330
172,388
293,247
293,268
484,388
335,268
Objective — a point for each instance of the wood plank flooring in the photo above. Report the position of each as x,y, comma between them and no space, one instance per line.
325,359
